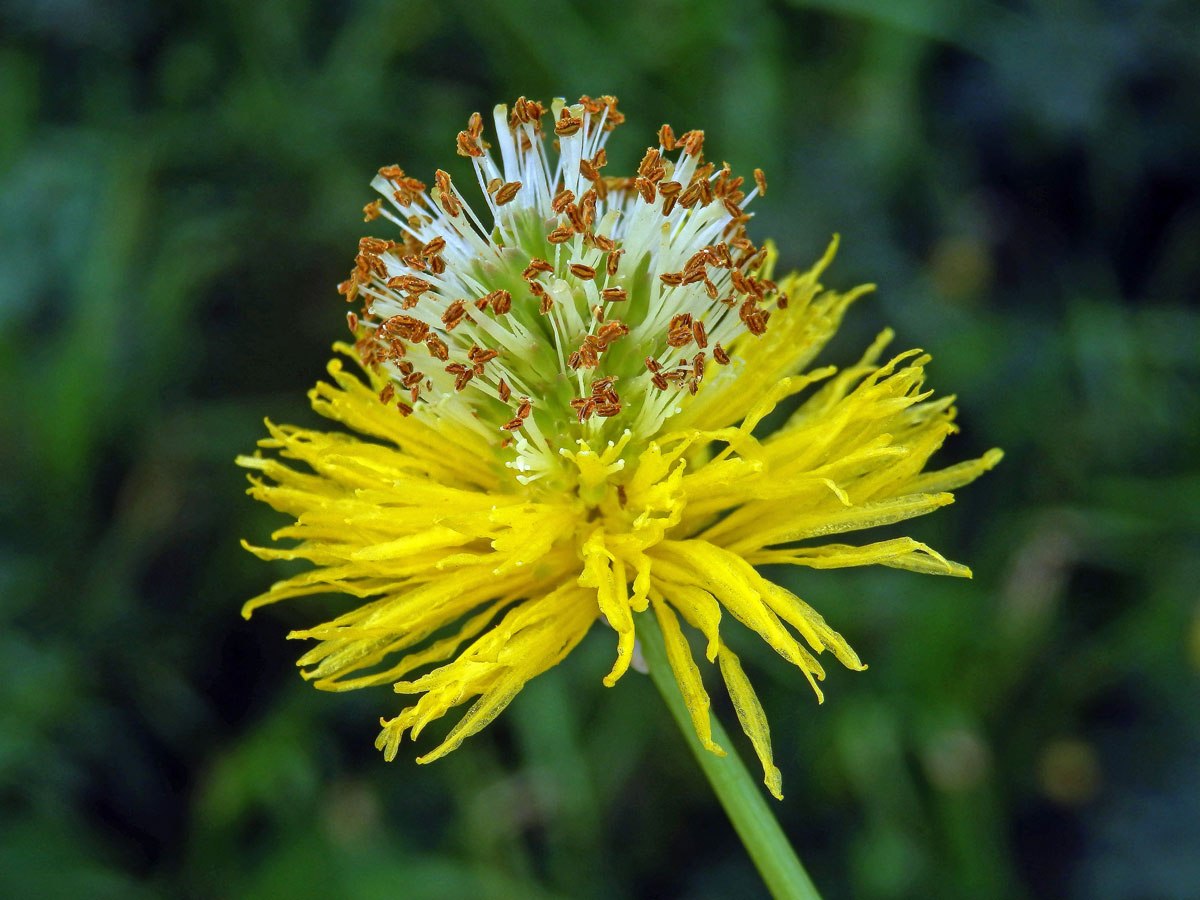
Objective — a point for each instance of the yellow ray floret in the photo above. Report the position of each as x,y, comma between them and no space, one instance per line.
448,568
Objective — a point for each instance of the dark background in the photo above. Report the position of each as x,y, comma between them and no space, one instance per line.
180,187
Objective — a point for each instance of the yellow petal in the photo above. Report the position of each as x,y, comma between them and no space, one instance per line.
687,676
750,714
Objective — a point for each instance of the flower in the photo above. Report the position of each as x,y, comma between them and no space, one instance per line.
558,421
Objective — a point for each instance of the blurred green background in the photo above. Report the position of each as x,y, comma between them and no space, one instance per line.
179,193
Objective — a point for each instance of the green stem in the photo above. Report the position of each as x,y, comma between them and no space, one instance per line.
740,795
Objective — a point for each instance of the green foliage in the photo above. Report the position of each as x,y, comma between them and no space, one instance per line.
179,186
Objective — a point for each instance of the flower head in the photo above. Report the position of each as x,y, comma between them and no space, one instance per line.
558,421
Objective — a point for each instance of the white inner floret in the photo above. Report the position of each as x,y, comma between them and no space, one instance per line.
589,306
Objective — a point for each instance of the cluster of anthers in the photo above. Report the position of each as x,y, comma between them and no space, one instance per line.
603,298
